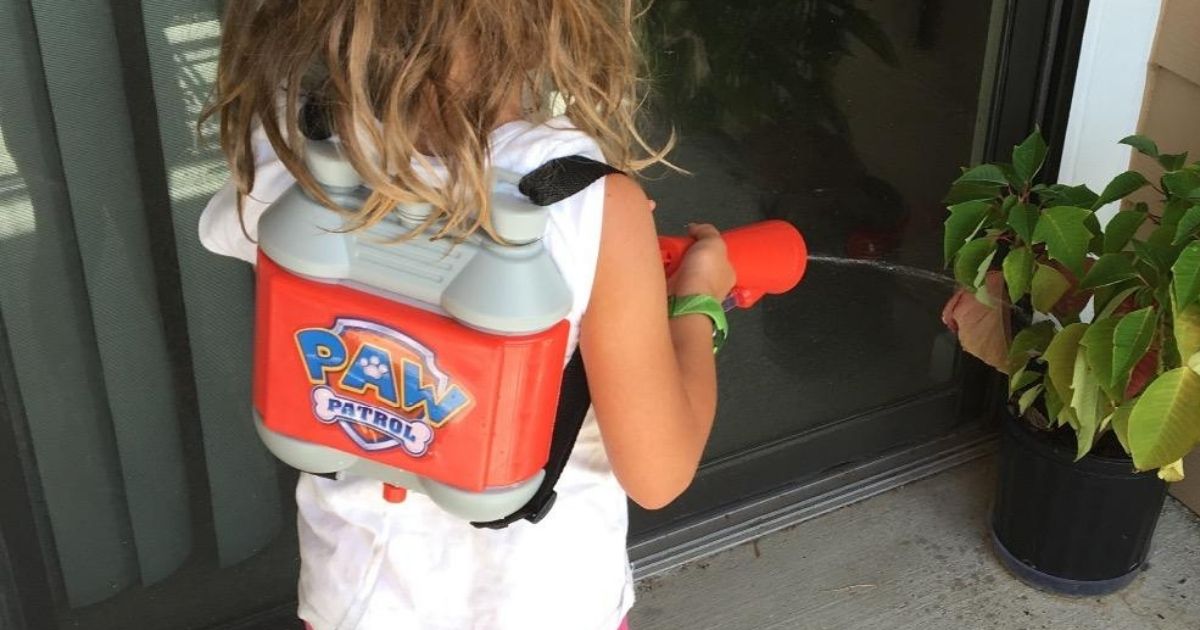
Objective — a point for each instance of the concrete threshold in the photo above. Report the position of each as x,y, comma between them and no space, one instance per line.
915,557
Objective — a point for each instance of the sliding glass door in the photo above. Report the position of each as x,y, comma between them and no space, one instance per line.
135,492
848,119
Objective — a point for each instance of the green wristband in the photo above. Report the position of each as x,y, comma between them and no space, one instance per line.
707,305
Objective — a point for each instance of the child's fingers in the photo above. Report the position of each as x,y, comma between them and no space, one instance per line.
703,230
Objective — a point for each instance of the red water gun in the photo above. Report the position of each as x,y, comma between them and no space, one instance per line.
768,257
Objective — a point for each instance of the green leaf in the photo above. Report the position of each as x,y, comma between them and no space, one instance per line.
1120,423
984,173
1027,399
1023,219
1143,144
1173,161
1067,416
1096,243
1187,225
1111,305
1122,227
1066,236
1060,357
1174,210
1011,176
1087,403
1104,426
1063,195
1131,340
1150,255
1006,205
1162,238
964,221
971,265
1028,343
1109,269
1054,404
971,191
1048,288
1172,472
1186,272
1120,187
1028,157
1169,355
1165,423
1180,183
1018,272
1098,341
997,217
1147,271
1022,379
1187,331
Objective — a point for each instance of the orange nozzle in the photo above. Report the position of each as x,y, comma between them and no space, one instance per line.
768,257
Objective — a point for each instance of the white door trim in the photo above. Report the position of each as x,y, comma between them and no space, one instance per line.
1110,86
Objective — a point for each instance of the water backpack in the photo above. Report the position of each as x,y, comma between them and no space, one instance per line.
436,366
433,366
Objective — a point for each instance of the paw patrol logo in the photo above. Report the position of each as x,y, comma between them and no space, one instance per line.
382,387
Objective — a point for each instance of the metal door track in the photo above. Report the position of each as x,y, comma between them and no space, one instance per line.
708,535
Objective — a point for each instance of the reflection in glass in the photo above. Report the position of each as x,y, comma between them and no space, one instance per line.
154,499
845,118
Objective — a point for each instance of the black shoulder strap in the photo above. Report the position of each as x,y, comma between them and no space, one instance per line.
550,183
561,178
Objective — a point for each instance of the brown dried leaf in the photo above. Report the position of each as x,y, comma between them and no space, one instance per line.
983,331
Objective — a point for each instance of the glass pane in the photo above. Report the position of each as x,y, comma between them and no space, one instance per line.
130,343
847,119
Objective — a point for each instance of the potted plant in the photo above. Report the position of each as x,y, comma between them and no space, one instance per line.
1104,368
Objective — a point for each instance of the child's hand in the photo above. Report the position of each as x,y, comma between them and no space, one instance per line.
705,269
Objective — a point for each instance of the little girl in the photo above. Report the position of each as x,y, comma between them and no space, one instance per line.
425,97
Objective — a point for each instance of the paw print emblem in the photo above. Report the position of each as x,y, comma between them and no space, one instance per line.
373,367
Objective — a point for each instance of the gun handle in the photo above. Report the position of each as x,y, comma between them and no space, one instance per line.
673,248
768,257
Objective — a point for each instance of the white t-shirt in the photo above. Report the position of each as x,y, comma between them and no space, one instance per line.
370,565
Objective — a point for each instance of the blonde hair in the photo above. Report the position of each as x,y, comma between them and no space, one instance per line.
404,81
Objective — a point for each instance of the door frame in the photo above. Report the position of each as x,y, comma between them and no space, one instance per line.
1041,39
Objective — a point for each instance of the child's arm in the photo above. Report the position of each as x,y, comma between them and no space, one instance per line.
652,379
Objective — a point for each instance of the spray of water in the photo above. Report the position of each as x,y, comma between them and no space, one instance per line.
914,273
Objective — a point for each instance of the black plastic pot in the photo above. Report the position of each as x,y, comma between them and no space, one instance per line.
1073,528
